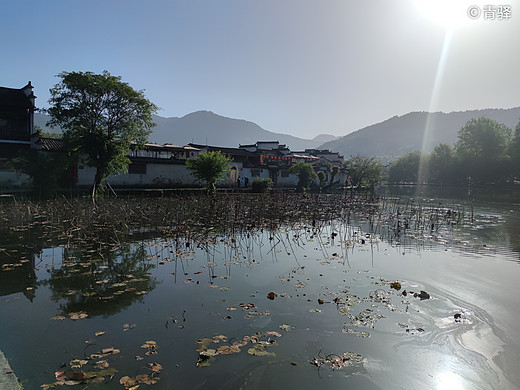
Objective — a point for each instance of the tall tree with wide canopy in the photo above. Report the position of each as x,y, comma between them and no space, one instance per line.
482,149
101,116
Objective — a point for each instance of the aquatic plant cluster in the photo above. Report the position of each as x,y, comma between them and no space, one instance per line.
66,219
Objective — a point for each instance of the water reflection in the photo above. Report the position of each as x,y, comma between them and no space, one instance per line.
16,265
485,223
449,381
368,299
101,281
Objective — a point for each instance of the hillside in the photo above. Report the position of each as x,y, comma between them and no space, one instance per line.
401,134
206,127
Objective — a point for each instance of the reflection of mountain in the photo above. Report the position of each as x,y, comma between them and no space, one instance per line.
101,282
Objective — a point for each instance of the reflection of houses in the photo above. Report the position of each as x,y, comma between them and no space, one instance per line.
17,261
16,128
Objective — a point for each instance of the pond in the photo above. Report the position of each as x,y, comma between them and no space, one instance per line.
413,293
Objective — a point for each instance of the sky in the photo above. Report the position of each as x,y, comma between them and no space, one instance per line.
299,67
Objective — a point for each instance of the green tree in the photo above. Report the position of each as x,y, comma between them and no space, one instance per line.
364,170
306,175
514,153
209,166
405,168
333,172
442,164
101,116
46,169
482,147
322,176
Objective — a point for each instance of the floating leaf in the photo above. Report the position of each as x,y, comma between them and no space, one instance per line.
59,374
78,363
259,350
101,364
228,349
77,376
155,367
286,328
209,352
128,326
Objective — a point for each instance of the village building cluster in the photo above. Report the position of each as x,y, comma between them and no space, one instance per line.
154,165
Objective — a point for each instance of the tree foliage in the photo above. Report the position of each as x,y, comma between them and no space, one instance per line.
46,170
405,168
322,176
364,171
101,116
481,149
485,151
514,153
262,185
441,164
306,175
210,167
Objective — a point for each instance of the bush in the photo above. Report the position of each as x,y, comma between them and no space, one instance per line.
262,185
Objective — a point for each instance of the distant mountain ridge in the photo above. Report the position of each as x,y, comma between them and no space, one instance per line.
386,140
206,127
414,131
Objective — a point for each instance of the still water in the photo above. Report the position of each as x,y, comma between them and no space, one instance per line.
342,303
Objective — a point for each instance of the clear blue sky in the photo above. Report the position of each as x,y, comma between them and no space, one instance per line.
300,67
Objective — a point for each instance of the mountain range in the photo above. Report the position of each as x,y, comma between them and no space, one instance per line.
208,128
386,140
414,131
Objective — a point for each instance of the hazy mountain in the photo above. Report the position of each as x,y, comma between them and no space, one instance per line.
401,134
322,138
206,127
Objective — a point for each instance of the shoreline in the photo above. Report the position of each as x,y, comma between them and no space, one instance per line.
8,380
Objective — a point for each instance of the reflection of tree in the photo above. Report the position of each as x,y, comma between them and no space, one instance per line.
102,281
16,265
513,231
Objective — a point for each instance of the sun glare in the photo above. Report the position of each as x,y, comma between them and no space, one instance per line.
446,13
449,381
